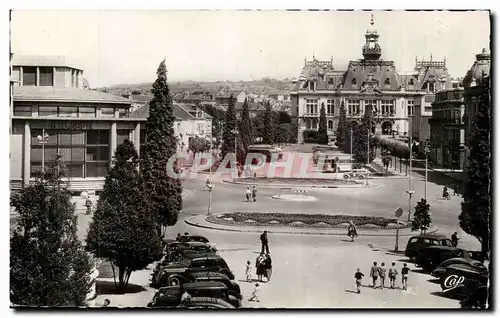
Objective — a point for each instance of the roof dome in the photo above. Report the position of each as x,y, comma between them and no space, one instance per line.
371,29
479,71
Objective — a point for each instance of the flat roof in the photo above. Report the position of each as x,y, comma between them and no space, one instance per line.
55,94
43,60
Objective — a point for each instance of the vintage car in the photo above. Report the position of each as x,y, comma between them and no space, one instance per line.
193,238
171,296
416,243
178,248
431,256
477,299
462,286
458,265
166,271
356,173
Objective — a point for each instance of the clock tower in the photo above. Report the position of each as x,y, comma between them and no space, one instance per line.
371,49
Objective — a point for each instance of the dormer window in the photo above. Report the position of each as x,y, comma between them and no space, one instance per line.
330,81
353,82
411,82
311,85
387,82
431,87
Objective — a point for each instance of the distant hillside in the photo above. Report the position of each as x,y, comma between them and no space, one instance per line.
256,86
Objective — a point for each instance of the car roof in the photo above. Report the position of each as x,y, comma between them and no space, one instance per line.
431,236
205,284
197,256
208,274
196,243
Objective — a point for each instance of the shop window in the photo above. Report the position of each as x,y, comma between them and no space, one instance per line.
86,111
44,111
68,111
29,76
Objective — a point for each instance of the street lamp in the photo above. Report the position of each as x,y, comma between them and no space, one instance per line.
209,188
235,132
410,191
43,139
426,152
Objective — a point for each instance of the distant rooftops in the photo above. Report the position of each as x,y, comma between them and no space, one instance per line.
43,61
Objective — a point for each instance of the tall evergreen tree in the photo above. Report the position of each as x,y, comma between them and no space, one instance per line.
322,130
268,133
361,135
475,218
48,264
342,128
161,145
123,229
421,217
230,125
246,127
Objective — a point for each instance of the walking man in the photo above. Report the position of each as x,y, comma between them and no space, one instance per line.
382,275
393,272
404,276
358,276
454,239
88,204
374,273
455,190
264,243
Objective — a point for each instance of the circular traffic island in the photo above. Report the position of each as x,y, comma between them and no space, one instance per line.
296,220
300,182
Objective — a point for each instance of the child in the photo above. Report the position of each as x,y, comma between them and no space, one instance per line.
374,272
382,271
404,276
255,293
248,272
393,272
358,276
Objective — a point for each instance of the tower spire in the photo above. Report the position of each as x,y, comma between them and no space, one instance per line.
371,20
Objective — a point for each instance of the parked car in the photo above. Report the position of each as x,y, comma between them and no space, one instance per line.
459,265
477,299
199,263
416,243
431,256
356,173
206,303
193,238
469,284
171,296
178,248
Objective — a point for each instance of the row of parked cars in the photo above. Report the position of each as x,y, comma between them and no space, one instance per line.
191,264
459,272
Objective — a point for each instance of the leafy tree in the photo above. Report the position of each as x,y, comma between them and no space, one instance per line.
198,144
360,142
268,133
421,217
161,145
246,128
322,130
48,264
475,218
123,228
294,131
342,129
230,124
282,133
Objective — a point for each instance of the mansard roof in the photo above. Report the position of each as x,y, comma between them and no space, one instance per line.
381,72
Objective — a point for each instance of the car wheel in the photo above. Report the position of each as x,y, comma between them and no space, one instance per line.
174,281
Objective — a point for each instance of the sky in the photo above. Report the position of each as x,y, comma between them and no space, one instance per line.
125,47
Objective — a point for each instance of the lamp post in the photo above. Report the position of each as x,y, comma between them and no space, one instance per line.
235,132
398,214
410,191
367,152
43,139
351,147
426,152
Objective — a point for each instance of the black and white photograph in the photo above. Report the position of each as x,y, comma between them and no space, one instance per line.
250,159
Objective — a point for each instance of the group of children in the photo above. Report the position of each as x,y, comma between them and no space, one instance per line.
381,271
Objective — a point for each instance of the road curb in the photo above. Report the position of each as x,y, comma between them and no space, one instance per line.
199,221
285,185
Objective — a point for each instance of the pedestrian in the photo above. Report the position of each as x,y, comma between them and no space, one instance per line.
178,238
255,175
248,193
393,272
255,293
404,276
264,243
351,231
455,190
248,271
454,239
259,265
268,266
358,276
382,273
254,194
374,273
88,204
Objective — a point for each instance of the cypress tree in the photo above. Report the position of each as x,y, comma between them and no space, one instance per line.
475,218
360,138
161,145
123,228
48,264
246,127
230,124
268,133
342,128
322,130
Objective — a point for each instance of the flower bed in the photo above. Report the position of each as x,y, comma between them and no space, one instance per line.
279,180
304,220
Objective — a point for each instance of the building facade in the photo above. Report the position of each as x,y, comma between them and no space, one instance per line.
475,81
395,98
447,129
83,126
